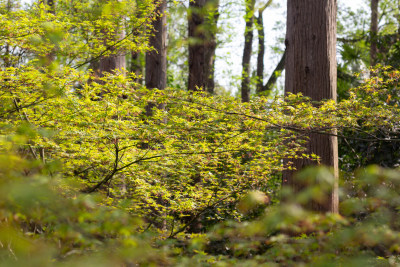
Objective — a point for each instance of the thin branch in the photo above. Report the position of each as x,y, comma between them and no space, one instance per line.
116,169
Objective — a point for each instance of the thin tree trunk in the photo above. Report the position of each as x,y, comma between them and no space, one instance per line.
311,70
261,52
247,50
261,48
275,74
156,60
374,32
211,45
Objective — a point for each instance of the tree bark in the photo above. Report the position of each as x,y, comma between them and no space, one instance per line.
202,30
261,52
211,44
112,63
247,50
115,61
261,48
374,32
311,70
156,60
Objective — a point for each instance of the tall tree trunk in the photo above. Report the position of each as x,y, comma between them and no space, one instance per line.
311,70
156,60
211,44
202,43
261,52
261,48
247,50
374,32
196,48
112,63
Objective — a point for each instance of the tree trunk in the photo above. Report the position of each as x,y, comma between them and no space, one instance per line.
311,70
374,32
211,44
112,63
261,52
156,60
115,61
202,30
261,48
247,50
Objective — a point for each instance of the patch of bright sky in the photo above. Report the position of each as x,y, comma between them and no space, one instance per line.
229,54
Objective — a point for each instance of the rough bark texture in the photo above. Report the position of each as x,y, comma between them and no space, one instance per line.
202,43
374,32
275,74
112,63
247,50
196,48
311,70
156,60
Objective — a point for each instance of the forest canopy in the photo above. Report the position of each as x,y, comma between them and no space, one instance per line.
117,147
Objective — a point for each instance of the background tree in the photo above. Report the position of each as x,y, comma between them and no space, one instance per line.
311,70
202,25
374,31
261,48
211,28
247,50
156,59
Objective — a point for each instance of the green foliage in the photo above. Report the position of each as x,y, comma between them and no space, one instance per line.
87,178
364,145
